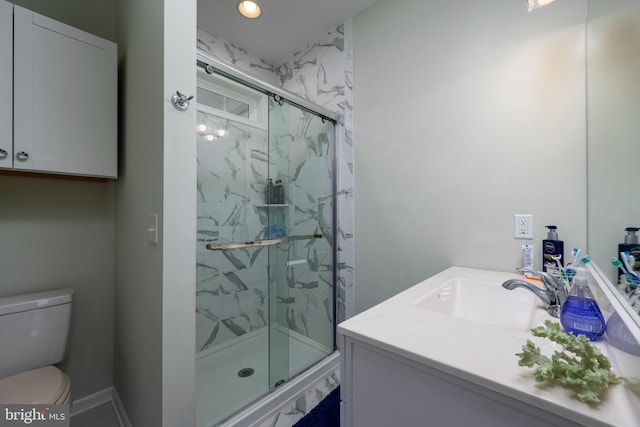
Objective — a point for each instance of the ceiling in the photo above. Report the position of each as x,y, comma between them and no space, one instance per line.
285,26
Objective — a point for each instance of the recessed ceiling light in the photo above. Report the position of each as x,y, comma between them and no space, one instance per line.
249,9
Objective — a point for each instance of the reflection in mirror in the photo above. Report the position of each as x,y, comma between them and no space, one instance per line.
613,134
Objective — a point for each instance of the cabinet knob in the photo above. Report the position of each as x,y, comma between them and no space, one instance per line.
180,101
21,155
3,153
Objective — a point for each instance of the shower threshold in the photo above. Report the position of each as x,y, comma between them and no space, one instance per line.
221,391
284,401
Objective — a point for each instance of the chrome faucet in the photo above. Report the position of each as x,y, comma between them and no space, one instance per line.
553,294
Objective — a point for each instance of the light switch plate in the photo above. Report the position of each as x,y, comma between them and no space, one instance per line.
152,228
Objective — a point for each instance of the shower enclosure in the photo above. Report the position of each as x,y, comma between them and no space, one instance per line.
265,288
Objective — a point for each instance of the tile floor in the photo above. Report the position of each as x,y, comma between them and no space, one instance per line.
100,416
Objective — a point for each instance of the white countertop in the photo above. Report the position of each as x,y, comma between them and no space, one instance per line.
482,354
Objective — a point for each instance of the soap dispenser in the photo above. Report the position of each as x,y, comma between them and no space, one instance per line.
580,313
552,247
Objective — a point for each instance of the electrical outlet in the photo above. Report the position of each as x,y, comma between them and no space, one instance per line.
523,227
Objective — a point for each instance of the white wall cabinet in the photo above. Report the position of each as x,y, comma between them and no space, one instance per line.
64,97
6,84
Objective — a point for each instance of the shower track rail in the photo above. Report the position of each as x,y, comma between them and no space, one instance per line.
258,243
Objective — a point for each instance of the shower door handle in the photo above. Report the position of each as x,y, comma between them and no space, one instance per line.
257,243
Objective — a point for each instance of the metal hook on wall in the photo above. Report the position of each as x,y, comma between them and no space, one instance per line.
180,101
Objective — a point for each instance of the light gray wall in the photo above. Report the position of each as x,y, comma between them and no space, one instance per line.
179,223
466,113
138,288
614,107
155,284
57,232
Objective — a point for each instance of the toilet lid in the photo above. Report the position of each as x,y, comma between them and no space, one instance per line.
42,386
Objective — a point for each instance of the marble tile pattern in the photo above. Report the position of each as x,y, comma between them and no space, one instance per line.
300,405
233,285
229,52
321,73
301,153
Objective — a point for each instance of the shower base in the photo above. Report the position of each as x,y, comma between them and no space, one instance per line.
221,391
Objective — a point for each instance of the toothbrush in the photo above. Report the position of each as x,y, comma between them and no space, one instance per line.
625,260
628,263
576,254
563,274
570,268
616,263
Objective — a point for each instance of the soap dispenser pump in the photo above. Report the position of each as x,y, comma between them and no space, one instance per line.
552,247
580,313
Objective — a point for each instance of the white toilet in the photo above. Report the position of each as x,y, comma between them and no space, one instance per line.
33,336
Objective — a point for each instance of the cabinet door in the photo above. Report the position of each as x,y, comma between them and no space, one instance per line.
6,84
64,98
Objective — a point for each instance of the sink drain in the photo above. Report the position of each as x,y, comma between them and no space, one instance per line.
245,372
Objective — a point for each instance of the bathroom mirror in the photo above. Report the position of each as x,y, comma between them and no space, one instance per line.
613,131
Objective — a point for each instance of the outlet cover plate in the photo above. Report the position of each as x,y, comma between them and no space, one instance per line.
523,226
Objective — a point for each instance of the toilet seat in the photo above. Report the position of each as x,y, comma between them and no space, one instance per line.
42,386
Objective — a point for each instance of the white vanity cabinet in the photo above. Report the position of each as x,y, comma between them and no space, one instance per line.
433,355
382,389
64,98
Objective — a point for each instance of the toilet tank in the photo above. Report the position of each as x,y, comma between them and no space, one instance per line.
33,330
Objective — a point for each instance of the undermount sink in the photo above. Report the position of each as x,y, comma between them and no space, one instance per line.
483,302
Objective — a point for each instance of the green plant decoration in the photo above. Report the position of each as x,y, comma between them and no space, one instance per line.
579,366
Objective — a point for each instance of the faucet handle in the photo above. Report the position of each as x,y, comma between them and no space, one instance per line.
551,283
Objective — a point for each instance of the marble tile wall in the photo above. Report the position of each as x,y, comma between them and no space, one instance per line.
302,155
300,405
232,287
321,73
227,51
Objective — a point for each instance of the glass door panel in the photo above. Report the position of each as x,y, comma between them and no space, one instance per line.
279,213
232,286
265,264
301,156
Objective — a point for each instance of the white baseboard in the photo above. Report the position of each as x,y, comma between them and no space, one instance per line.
107,395
91,401
121,413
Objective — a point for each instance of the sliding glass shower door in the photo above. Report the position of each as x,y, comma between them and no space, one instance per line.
301,274
265,266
